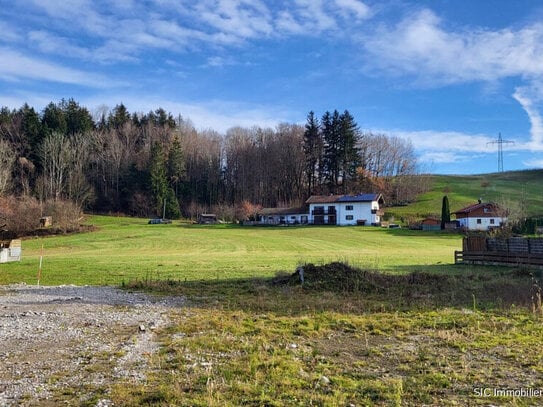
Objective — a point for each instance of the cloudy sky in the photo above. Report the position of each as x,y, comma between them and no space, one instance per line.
449,75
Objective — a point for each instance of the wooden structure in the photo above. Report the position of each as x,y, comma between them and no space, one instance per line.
46,221
10,250
207,219
431,224
517,251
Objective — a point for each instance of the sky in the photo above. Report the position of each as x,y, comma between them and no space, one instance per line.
449,76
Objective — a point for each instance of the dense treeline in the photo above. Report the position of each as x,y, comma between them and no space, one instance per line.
140,164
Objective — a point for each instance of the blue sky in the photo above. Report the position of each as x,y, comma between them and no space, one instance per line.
448,75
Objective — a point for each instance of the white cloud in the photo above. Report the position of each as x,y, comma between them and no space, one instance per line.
421,47
9,33
525,96
359,9
450,141
16,66
313,17
534,163
50,43
242,18
115,31
445,157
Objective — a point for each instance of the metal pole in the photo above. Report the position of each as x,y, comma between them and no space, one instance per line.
41,262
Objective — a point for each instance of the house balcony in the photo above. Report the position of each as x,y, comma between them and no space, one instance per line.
323,212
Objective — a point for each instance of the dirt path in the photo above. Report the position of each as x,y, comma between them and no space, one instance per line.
70,343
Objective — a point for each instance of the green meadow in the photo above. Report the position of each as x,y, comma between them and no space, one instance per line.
124,249
406,326
515,189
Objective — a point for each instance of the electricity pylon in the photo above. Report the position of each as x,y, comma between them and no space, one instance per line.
500,142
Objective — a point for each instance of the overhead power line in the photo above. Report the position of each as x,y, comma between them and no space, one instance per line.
500,142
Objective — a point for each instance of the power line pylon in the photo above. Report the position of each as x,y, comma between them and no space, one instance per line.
500,142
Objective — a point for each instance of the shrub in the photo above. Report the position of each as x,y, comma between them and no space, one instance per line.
21,216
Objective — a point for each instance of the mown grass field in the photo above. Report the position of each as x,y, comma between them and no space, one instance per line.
124,249
412,329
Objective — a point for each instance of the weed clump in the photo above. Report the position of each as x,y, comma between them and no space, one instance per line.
334,276
341,277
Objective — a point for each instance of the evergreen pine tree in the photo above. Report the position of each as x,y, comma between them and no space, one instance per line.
159,181
176,165
349,152
331,134
313,151
445,212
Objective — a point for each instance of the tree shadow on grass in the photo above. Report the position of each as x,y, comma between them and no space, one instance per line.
338,287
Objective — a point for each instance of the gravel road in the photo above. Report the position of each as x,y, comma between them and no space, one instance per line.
74,341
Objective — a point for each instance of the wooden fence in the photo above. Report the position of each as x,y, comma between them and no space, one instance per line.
518,251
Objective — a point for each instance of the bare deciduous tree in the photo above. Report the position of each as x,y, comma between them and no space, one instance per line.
56,160
7,159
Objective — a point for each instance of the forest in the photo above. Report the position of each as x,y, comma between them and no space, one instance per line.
140,163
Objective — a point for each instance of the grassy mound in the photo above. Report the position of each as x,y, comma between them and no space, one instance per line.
339,277
473,289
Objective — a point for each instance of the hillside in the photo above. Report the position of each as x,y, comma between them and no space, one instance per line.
507,188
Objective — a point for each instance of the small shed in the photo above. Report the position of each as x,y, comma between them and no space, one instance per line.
46,221
10,250
207,219
431,224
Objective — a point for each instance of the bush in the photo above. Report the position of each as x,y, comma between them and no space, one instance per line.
66,215
21,216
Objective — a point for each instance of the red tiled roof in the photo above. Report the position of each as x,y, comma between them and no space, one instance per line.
284,211
323,199
317,199
474,207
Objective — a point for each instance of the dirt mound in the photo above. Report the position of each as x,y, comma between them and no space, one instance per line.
339,276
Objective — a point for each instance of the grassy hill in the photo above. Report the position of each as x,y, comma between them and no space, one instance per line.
507,188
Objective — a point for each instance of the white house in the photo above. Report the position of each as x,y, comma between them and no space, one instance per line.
481,216
362,209
284,216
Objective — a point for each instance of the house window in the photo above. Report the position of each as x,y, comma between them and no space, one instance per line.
349,208
478,221
349,217
491,221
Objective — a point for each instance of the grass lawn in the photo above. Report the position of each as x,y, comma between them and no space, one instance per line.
124,249
413,329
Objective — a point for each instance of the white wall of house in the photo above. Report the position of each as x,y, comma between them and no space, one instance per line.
480,223
351,212
287,219
348,213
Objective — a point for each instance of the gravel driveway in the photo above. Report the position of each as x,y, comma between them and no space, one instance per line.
74,341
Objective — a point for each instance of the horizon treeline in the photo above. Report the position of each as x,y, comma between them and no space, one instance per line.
141,163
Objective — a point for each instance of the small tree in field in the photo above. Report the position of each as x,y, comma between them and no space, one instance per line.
445,212
247,210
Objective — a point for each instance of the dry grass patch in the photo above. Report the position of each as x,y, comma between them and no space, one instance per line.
273,342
